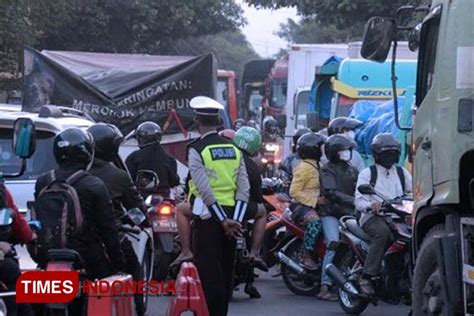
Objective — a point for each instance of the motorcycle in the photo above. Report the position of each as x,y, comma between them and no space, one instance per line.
299,280
161,212
270,159
394,284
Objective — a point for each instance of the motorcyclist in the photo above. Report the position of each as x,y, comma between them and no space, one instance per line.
305,191
121,189
240,122
270,130
10,271
290,162
338,183
252,123
151,156
392,182
347,127
73,150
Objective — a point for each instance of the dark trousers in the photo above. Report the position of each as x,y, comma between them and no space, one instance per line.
214,255
9,273
133,268
381,238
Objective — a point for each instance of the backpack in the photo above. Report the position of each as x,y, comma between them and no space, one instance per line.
58,209
373,176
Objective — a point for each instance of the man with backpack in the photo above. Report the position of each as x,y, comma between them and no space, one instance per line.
69,192
122,190
392,182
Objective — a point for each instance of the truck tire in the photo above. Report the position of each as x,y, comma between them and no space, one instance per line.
426,284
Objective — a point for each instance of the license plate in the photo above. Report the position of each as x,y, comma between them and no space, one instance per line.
165,226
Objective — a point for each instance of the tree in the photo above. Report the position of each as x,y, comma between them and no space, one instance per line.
118,26
332,20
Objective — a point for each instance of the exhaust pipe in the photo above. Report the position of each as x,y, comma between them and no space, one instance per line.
290,263
336,275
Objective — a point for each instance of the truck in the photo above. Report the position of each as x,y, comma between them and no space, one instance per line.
442,149
302,62
226,92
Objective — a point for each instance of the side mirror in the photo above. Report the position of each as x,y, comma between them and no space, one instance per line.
366,189
35,225
147,180
136,216
281,119
24,138
6,216
378,36
312,121
414,38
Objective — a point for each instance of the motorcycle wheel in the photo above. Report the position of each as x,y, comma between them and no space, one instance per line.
146,266
426,279
269,241
162,263
296,283
349,304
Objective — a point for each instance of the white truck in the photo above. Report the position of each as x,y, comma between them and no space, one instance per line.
303,59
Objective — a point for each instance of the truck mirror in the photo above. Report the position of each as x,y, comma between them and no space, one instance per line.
378,36
312,121
24,138
281,120
414,38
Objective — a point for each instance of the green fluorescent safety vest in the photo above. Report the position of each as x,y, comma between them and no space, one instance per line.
221,162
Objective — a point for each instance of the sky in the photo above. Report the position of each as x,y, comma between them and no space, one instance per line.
261,26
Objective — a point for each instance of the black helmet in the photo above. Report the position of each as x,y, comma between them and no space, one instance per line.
309,146
337,143
341,124
73,145
107,138
300,132
240,122
271,126
386,150
148,133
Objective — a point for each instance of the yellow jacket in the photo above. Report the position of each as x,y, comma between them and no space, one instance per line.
305,187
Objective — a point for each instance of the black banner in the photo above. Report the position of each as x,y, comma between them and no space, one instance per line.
124,90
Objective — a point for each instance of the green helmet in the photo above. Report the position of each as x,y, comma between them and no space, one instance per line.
248,139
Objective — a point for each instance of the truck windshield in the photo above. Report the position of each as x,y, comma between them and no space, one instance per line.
302,108
279,93
41,162
221,92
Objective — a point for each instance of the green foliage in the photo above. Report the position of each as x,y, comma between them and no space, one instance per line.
329,21
120,26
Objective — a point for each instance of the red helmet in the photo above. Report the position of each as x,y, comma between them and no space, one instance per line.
227,133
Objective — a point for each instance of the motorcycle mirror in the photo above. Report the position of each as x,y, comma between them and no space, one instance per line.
6,216
35,225
147,180
366,189
24,138
136,216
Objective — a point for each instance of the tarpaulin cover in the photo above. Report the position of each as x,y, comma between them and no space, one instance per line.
118,88
377,119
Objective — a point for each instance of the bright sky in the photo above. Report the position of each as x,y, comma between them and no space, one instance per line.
261,26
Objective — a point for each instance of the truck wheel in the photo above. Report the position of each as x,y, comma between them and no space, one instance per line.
427,295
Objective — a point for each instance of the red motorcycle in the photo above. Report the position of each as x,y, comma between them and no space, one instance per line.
298,279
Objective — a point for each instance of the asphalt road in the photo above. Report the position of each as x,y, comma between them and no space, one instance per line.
278,300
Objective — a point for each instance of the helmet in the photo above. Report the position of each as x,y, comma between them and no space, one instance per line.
341,124
148,133
300,132
107,138
252,123
386,150
73,145
248,139
309,146
240,122
227,133
337,143
271,126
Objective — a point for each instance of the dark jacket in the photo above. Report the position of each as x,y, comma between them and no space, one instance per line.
338,184
98,226
121,189
154,158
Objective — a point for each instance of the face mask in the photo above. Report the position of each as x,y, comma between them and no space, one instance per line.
345,155
387,160
350,134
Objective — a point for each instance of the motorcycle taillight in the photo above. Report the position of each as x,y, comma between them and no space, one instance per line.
164,209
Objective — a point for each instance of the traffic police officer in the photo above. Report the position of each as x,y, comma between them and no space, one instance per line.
219,191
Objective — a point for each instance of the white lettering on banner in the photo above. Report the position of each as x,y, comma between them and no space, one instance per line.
158,90
464,68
